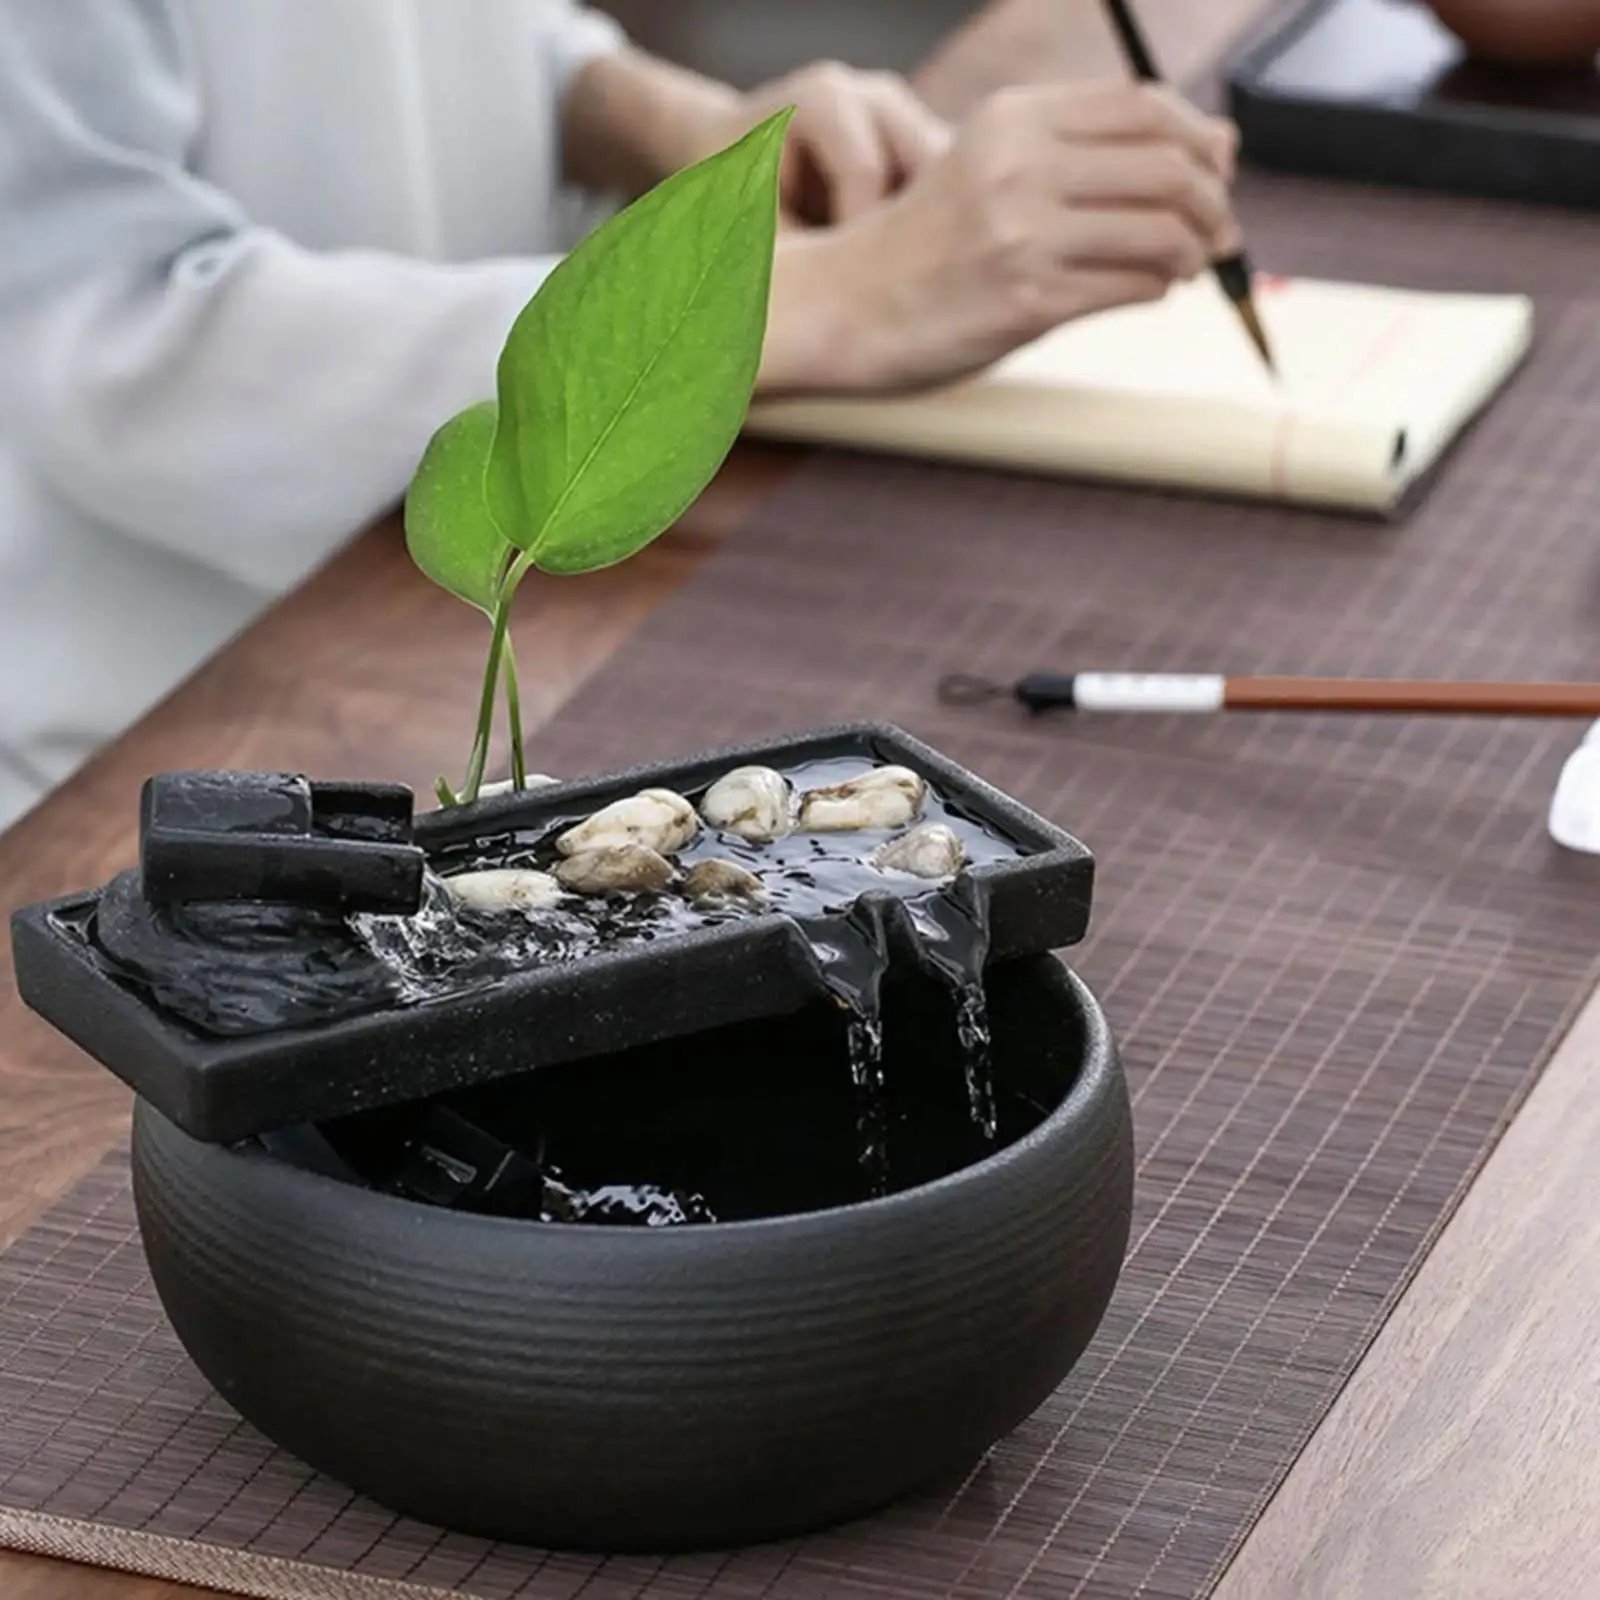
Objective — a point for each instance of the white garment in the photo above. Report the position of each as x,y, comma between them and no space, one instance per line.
252,252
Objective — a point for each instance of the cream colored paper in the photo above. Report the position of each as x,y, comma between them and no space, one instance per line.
1376,383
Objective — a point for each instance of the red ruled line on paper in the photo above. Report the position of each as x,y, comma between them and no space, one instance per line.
1387,339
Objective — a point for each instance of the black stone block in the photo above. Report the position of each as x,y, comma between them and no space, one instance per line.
212,837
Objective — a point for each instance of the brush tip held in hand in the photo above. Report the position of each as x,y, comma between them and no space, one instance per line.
1231,272
1236,279
1251,318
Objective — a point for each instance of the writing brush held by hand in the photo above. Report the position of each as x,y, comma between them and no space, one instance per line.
1049,204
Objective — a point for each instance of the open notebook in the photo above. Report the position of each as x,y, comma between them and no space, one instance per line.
1375,385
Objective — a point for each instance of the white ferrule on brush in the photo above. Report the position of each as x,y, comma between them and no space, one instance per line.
1148,691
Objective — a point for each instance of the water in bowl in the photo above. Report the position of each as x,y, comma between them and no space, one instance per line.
756,1120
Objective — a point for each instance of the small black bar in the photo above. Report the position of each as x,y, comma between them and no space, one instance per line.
280,839
1047,691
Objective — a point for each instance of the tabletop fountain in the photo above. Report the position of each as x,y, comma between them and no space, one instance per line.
685,1156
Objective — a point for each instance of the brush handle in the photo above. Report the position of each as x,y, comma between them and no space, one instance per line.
1232,273
1180,692
1129,35
1414,696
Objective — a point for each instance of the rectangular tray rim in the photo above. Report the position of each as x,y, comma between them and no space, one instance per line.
195,1064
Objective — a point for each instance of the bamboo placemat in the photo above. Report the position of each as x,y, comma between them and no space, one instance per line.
1337,951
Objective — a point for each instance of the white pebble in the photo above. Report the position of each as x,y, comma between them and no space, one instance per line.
886,797
616,869
534,780
752,802
658,819
504,889
716,882
931,851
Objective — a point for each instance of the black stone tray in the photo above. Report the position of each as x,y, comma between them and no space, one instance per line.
227,1089
1379,91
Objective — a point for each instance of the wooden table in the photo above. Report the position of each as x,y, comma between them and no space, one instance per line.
1463,1459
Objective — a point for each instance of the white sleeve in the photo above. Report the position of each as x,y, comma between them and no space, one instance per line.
196,381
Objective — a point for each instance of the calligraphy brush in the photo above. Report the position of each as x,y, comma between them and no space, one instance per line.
1233,273
1206,692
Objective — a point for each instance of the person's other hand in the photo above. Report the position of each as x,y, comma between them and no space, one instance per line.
1050,203
856,138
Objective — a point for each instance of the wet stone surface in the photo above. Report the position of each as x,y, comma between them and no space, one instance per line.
539,897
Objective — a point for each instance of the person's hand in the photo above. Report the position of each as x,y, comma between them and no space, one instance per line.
1050,203
856,138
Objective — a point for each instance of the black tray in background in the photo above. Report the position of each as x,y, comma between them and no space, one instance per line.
1379,91
227,1089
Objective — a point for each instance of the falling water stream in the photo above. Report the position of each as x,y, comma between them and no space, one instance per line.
852,956
953,932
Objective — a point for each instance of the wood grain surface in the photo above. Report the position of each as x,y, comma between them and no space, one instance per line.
1462,1462
29,1578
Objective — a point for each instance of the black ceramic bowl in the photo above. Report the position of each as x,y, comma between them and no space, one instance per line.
606,1388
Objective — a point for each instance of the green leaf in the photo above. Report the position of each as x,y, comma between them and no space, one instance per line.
624,382
449,531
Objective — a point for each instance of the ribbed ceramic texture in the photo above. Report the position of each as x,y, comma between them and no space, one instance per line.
603,1388
1336,952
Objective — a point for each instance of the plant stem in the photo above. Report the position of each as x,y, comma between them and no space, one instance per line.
519,765
491,678
491,681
